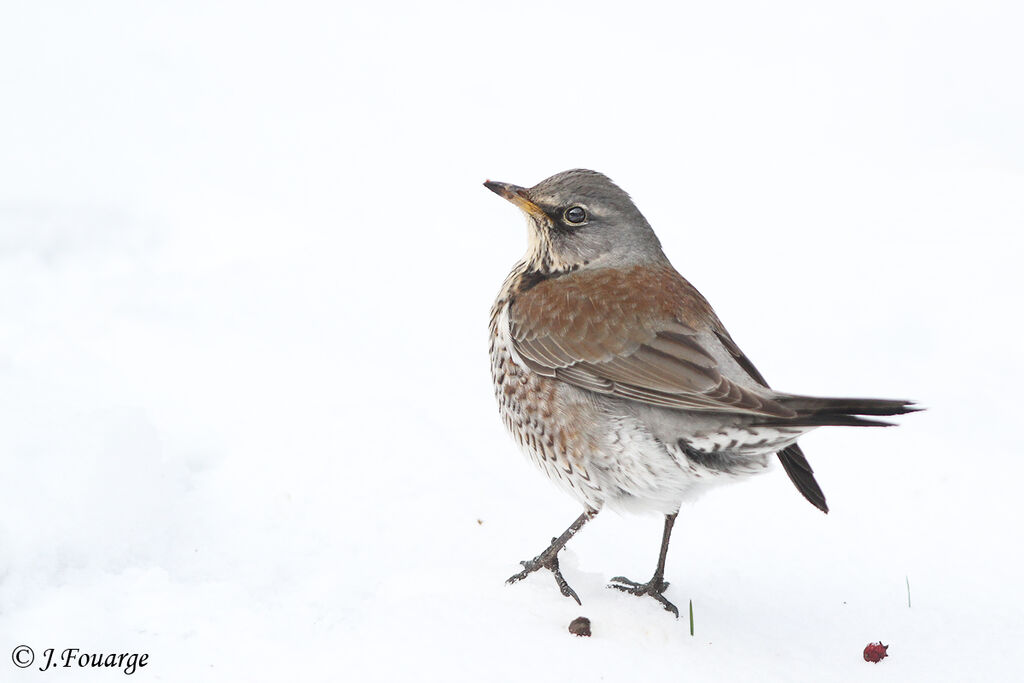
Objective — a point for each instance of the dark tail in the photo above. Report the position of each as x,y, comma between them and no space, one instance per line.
802,476
821,412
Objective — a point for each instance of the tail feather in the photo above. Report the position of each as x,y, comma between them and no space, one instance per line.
821,412
802,476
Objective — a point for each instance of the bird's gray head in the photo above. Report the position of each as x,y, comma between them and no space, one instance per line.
581,219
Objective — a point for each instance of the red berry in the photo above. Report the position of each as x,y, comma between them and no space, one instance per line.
875,652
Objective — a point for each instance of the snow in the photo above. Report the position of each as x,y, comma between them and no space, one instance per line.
246,422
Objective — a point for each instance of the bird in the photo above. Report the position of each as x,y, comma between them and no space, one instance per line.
618,380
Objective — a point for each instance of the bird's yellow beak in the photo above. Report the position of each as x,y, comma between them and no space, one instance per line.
516,195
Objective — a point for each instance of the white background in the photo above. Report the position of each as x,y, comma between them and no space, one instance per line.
246,422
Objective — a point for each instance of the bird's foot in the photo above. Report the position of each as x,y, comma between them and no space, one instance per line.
546,560
655,588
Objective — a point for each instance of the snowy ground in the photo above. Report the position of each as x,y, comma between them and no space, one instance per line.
246,423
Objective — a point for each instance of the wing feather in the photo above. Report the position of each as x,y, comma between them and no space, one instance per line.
611,338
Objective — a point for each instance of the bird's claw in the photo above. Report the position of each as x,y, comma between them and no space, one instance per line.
655,588
551,564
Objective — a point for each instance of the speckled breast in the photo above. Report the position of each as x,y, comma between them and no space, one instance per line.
550,427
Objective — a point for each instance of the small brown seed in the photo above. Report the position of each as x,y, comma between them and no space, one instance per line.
580,626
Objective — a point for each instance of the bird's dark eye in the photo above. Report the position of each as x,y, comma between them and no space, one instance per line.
575,214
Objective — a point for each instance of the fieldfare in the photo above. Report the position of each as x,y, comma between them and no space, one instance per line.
618,380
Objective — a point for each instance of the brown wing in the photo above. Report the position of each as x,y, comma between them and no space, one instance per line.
632,334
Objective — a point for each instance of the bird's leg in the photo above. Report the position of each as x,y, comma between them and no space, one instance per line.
549,558
657,585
